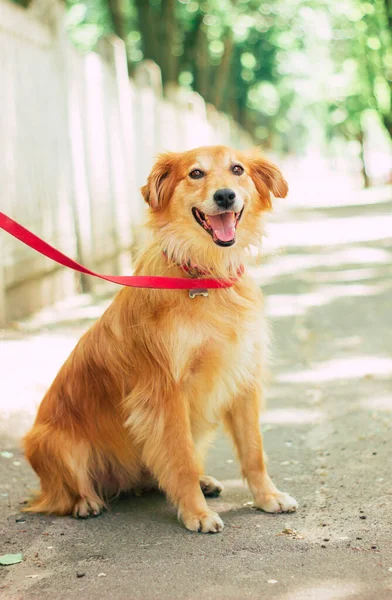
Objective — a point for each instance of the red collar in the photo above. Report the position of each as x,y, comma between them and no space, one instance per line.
196,272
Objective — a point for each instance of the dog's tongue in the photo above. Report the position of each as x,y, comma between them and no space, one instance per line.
223,226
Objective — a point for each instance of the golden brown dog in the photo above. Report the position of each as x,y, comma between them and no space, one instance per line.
139,398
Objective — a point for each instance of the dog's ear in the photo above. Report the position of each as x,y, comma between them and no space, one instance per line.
266,175
161,182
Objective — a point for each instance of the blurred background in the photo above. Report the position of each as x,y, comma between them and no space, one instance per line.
92,91
294,74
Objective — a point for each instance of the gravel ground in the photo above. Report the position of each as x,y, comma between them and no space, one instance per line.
327,432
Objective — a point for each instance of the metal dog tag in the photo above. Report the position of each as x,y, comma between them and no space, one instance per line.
198,292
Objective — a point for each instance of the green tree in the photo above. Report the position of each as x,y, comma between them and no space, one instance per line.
282,69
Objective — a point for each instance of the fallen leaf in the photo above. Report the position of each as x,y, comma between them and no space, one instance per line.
10,559
291,532
6,454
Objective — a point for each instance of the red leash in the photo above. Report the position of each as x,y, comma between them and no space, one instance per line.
137,281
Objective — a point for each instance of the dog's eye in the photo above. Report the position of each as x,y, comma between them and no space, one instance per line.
196,174
237,169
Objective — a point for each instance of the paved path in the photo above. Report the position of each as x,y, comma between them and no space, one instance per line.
328,434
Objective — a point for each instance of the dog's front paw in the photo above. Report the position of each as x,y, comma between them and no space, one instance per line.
276,502
206,522
210,486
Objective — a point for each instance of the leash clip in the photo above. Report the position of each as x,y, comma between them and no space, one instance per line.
198,292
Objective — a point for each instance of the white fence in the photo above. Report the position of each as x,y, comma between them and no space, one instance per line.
77,141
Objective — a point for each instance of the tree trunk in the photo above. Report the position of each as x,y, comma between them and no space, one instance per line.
190,43
147,24
388,121
201,64
366,180
118,20
388,12
168,62
223,71
387,118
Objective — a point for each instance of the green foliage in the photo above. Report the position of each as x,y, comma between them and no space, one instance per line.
235,53
287,70
363,59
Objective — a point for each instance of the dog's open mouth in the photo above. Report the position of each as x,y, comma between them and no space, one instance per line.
221,227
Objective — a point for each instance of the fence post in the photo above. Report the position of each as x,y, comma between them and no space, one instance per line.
128,133
52,13
148,87
119,135
2,288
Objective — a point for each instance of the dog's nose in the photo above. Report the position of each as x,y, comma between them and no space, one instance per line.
224,198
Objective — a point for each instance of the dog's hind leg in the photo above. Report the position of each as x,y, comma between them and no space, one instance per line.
65,469
84,508
210,486
82,465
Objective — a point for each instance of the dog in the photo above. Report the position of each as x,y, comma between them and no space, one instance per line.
138,400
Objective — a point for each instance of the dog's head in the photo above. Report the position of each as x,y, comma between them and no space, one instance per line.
206,203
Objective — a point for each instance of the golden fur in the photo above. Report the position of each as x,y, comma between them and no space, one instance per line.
138,399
